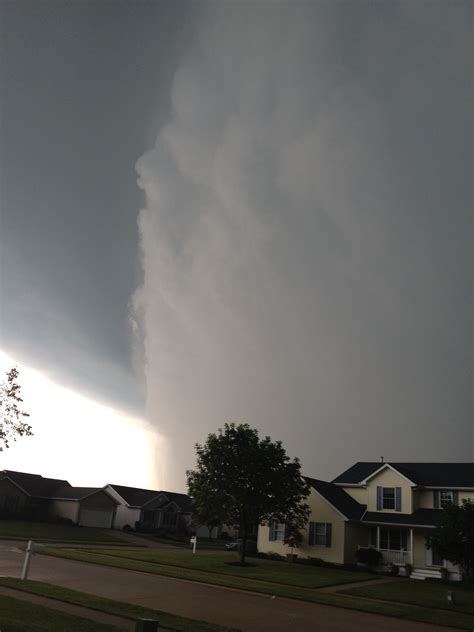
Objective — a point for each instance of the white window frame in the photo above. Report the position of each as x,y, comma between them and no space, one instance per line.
446,497
277,531
320,533
391,489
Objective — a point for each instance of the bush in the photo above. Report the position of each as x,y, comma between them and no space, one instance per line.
127,527
271,555
408,570
394,570
444,573
370,557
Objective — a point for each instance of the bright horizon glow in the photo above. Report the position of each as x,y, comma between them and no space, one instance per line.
79,439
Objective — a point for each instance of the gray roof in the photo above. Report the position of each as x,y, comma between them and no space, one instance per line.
37,485
338,498
137,497
78,493
421,517
457,475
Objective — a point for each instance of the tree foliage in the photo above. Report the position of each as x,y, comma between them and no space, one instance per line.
242,479
454,538
12,419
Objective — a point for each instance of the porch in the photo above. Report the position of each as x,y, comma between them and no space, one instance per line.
395,545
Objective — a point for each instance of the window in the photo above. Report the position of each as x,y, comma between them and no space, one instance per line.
388,498
320,534
277,531
393,540
445,498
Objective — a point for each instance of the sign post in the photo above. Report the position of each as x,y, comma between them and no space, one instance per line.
31,549
193,541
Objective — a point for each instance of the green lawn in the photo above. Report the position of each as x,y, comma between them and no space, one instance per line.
129,611
206,567
44,531
422,593
260,569
18,616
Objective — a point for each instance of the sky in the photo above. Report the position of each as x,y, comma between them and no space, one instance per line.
253,212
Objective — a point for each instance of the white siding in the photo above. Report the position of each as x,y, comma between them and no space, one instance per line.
65,509
126,515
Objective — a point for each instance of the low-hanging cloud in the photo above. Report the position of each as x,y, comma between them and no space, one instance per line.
297,270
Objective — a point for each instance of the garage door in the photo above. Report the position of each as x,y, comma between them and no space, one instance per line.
95,518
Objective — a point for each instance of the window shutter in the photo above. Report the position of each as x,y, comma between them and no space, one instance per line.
312,532
328,533
398,498
455,498
436,499
379,498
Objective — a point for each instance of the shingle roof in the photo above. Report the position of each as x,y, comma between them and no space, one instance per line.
425,474
137,497
421,517
77,493
35,484
338,498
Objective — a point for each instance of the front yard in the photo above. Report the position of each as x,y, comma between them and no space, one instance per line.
426,593
52,532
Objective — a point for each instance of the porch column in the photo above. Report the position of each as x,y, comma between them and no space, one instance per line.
411,546
378,538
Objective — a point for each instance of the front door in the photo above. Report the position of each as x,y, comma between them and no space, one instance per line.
433,558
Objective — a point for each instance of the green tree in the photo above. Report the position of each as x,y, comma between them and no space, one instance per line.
454,538
242,479
12,419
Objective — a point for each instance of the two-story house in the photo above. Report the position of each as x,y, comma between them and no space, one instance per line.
389,506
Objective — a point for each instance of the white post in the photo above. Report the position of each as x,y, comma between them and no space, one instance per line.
26,563
195,544
378,538
411,547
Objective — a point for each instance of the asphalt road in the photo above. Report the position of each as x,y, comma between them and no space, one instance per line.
247,611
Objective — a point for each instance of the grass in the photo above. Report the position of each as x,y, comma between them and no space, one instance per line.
166,561
249,578
18,615
45,531
129,611
421,593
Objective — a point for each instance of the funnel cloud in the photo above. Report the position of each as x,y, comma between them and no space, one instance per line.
305,235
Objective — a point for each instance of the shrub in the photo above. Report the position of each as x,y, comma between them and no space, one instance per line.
394,570
444,573
127,527
370,557
271,555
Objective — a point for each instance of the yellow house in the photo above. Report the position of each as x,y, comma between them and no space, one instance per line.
388,506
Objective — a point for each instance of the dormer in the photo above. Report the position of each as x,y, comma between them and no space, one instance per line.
388,490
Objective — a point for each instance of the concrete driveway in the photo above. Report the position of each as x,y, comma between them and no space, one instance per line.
247,611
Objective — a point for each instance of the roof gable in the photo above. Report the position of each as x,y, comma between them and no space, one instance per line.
455,475
338,499
35,484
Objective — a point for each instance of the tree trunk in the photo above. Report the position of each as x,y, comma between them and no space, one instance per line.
244,544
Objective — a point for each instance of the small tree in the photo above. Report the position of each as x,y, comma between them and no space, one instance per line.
293,537
12,420
242,479
454,538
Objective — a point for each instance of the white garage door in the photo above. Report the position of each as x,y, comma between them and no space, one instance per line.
95,518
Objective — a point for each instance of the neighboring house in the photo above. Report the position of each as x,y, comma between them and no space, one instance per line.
34,497
388,506
157,509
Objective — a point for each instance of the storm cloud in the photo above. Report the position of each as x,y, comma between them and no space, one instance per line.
305,238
